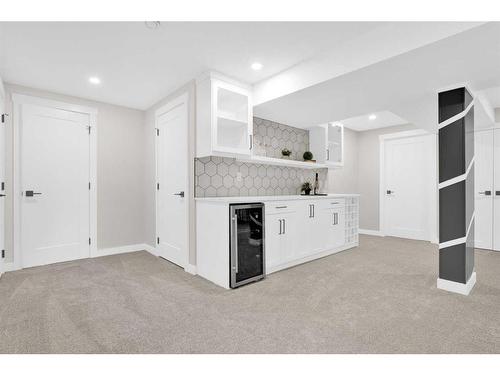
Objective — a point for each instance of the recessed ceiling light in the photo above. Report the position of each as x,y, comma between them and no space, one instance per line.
153,25
372,117
256,66
94,80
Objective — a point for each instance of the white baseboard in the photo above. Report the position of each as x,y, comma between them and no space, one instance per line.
452,286
310,258
150,249
190,269
8,267
370,232
119,250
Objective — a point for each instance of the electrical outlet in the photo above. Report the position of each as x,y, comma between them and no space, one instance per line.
238,176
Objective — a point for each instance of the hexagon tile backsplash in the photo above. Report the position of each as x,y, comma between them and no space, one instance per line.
271,137
218,177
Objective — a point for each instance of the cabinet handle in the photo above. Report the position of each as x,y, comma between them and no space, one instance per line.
284,226
327,154
313,213
235,220
251,141
281,206
281,231
497,192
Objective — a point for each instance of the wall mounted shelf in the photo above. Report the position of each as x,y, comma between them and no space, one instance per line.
282,162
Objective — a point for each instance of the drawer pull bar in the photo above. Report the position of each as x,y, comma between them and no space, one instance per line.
281,206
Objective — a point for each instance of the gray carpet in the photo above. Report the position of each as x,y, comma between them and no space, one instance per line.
378,298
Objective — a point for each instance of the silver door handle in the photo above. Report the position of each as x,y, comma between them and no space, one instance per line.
281,230
30,193
486,192
181,194
235,219
312,205
284,226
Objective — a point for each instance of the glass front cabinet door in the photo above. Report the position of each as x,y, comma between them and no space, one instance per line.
224,118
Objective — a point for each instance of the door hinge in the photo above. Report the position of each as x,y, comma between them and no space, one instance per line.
157,186
157,131
158,240
3,117
90,241
3,253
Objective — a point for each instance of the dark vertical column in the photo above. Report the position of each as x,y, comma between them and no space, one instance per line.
456,191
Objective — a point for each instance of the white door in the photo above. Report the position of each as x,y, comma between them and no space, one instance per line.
172,180
484,194
408,183
496,199
2,180
54,164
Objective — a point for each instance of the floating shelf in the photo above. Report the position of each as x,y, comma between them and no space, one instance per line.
282,162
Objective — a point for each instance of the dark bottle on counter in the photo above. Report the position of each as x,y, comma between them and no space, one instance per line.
316,185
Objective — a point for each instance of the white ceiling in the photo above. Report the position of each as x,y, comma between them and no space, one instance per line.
383,119
139,66
406,85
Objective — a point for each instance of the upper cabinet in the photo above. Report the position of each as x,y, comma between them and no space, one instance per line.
327,143
224,119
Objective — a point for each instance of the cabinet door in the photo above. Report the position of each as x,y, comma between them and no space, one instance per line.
231,119
273,234
289,237
335,145
304,226
333,225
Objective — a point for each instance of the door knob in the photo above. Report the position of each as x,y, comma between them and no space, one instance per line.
181,194
30,193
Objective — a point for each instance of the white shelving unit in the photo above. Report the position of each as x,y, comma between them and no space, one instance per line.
224,118
283,162
327,144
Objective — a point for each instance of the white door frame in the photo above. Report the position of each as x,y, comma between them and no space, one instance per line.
433,223
182,99
3,157
17,101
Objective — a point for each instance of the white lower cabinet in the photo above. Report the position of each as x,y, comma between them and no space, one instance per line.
333,227
296,231
304,231
281,229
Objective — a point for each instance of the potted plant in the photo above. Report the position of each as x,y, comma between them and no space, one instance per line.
286,153
308,156
306,188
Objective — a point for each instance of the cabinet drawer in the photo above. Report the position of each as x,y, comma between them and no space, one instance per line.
333,203
283,206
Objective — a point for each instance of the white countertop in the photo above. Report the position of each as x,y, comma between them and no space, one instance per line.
269,198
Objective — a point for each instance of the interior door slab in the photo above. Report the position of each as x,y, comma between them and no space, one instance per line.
55,203
172,224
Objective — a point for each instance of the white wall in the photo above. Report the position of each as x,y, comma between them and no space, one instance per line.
361,172
345,179
120,171
150,166
497,115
